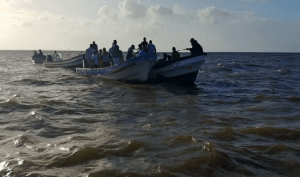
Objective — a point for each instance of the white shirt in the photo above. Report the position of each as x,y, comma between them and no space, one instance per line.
151,48
95,58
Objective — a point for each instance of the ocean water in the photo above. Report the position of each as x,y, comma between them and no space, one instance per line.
241,118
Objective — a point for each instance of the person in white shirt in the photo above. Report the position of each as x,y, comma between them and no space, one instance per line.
88,55
151,47
95,59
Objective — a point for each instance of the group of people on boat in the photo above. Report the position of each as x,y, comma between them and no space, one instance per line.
35,54
95,58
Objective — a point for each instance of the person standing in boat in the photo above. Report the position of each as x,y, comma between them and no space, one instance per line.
151,47
95,46
99,58
144,44
130,53
175,53
35,54
95,59
41,53
116,53
88,55
106,58
196,48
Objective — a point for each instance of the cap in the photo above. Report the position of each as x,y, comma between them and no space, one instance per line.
192,39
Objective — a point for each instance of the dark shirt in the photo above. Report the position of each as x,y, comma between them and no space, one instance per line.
95,46
175,54
196,48
144,43
129,54
116,52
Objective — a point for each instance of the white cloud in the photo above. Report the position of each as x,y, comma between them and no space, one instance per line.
159,10
16,1
132,9
26,24
106,11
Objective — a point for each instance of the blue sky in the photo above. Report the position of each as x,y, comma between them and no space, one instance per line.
219,25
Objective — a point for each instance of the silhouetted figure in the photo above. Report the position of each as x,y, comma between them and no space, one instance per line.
141,50
106,58
95,46
175,54
144,44
130,52
88,55
196,48
99,58
35,54
41,53
151,47
166,57
121,56
116,55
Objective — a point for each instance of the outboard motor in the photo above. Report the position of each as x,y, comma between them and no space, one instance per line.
49,58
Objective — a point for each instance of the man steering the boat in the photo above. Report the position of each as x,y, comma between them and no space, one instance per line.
196,48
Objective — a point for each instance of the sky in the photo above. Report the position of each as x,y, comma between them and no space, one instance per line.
218,25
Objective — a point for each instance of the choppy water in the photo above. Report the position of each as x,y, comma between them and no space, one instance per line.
54,122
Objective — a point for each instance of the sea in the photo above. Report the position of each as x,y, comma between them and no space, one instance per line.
240,118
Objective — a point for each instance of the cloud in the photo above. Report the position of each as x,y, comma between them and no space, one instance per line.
108,12
16,1
159,10
132,9
26,24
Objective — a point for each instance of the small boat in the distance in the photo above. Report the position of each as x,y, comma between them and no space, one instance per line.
184,69
133,70
69,63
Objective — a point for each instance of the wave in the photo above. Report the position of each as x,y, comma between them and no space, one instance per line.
273,132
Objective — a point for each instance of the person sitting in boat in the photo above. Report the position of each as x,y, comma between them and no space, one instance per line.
88,55
106,58
95,46
35,54
130,53
151,47
121,56
175,53
142,50
196,48
166,57
116,53
95,59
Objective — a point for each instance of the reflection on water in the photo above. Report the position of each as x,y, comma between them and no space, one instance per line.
241,118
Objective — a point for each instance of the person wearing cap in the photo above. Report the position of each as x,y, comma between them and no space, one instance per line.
88,55
175,53
95,46
151,47
116,53
196,48
130,52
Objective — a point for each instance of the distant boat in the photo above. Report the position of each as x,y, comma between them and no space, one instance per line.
183,69
38,58
133,70
69,63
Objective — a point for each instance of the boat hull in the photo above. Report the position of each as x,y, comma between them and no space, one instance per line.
70,63
183,69
134,70
39,59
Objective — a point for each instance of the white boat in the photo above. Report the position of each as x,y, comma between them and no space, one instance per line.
38,58
69,63
133,70
184,69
